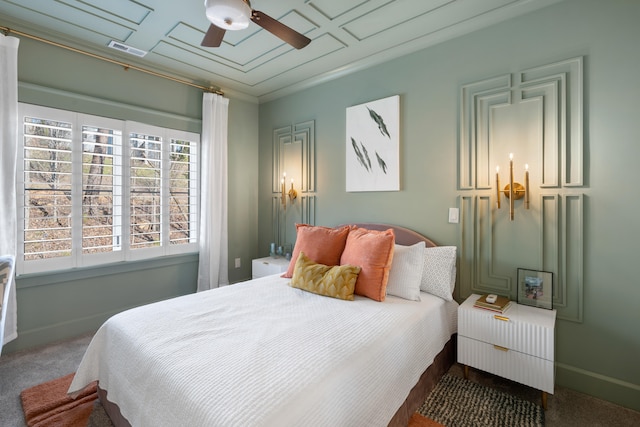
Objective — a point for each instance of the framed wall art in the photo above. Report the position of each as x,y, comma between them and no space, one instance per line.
373,146
535,288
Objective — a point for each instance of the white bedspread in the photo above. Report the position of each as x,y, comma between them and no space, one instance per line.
261,353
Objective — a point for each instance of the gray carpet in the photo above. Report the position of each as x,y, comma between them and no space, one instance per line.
22,370
462,403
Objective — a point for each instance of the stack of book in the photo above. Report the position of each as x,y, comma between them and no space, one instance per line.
500,305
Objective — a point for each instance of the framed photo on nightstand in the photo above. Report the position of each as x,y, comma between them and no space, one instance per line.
535,288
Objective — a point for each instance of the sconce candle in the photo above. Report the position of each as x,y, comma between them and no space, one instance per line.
284,197
511,189
526,186
514,190
498,185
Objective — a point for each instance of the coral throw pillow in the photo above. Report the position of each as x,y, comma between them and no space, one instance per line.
372,251
323,245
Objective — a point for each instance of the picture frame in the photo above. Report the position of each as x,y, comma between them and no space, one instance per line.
535,288
373,146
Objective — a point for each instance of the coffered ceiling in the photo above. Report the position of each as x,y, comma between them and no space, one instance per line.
347,35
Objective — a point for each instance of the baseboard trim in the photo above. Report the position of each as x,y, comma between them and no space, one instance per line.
37,337
611,389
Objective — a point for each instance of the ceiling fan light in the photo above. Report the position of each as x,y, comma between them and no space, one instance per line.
228,14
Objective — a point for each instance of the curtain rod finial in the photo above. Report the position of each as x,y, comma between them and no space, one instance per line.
216,90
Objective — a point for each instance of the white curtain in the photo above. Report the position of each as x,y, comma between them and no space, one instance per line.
8,155
214,254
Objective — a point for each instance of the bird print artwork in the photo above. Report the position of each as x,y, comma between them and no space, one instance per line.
372,146
379,121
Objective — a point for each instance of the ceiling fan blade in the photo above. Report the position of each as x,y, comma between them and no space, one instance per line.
278,29
214,36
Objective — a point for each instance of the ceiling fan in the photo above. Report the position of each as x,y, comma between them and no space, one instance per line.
236,14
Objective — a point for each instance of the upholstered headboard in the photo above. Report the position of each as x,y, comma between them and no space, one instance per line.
404,236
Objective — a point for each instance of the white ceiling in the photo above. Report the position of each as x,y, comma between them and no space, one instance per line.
347,35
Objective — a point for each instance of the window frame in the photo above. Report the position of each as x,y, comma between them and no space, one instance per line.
78,259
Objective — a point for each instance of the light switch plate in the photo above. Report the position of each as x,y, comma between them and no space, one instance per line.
454,217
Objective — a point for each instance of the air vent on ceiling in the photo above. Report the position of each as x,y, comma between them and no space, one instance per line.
127,49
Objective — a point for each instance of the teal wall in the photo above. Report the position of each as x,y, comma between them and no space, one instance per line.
57,306
598,356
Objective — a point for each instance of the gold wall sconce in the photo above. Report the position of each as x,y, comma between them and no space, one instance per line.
514,190
292,193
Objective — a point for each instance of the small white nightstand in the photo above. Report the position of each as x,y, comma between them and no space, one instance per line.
518,344
266,266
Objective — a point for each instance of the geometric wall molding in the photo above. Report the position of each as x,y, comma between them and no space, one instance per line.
294,153
476,99
478,268
560,84
558,89
304,133
284,223
562,250
281,138
536,114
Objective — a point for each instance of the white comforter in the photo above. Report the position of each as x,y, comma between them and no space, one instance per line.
261,353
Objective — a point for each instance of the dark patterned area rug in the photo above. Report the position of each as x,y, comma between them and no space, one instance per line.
456,402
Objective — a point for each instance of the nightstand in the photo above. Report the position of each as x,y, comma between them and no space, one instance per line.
266,266
517,345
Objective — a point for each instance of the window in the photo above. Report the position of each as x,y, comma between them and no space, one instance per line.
93,190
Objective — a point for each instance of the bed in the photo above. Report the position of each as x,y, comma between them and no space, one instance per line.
262,353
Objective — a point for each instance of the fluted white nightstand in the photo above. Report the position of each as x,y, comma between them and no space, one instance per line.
518,344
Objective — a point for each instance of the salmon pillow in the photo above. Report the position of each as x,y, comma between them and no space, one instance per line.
372,251
322,245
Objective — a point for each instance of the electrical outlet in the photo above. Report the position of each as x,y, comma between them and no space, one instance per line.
454,215
237,262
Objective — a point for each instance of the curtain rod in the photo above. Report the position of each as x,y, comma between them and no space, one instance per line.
124,65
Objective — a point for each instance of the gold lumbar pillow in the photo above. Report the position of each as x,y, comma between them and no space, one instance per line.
333,281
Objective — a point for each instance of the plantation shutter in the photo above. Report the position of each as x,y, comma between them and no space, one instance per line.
183,192
101,189
145,190
47,189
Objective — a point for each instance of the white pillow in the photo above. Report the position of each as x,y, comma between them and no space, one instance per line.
439,271
406,271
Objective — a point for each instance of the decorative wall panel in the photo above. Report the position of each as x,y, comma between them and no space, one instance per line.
572,262
304,132
281,137
566,77
535,114
475,98
293,154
